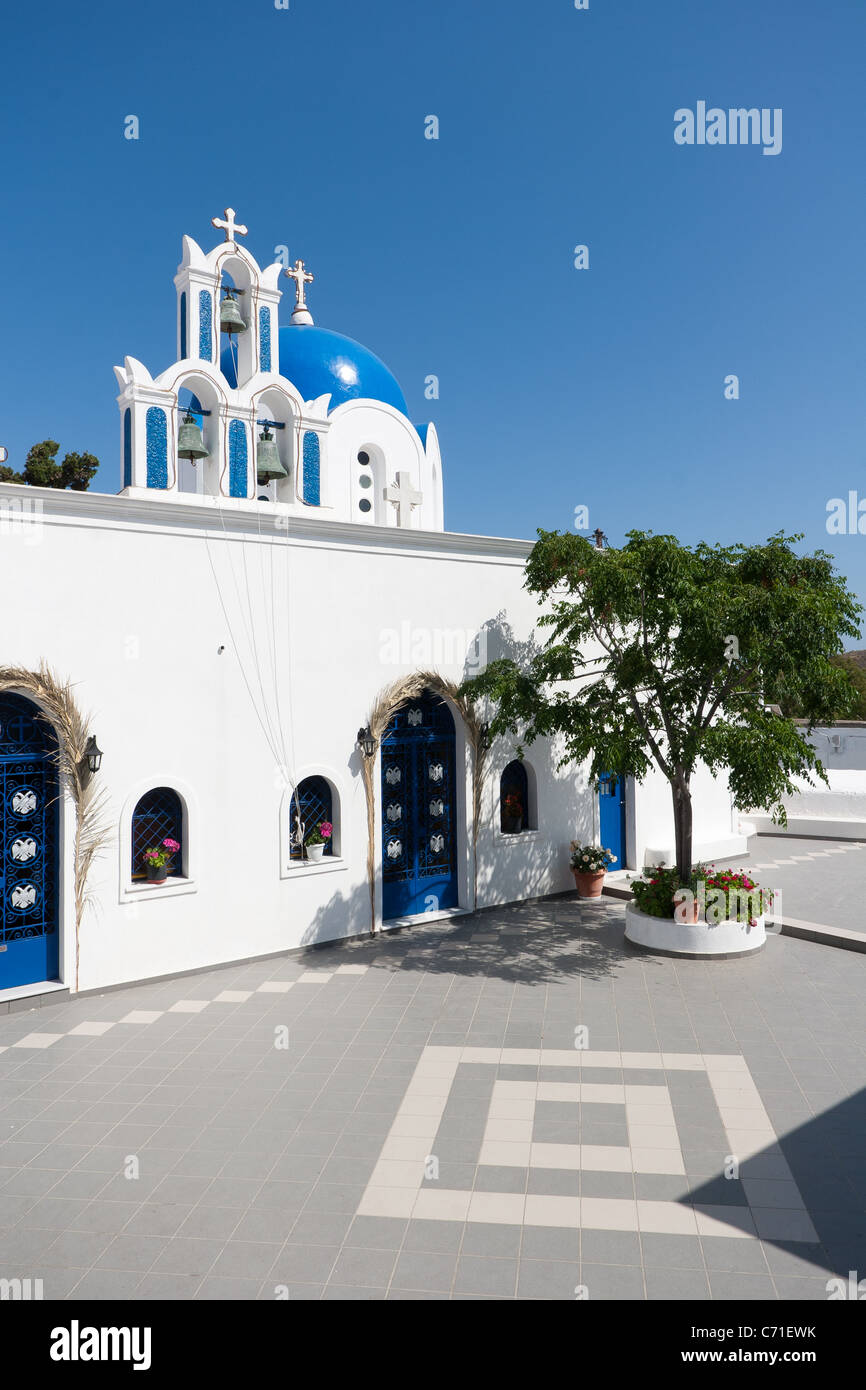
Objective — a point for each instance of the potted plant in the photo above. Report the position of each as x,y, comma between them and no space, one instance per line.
157,860
317,840
589,864
717,913
512,814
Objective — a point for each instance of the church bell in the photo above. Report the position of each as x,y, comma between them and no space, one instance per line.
190,444
231,320
268,463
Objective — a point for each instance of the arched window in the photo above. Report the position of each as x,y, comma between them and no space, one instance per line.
513,799
314,801
158,816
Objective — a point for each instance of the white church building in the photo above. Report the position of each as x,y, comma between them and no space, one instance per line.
262,633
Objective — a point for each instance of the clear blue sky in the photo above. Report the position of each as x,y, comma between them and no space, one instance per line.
455,257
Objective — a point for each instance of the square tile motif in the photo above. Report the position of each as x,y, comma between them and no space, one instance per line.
573,1127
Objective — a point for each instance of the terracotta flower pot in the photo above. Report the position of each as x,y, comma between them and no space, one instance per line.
589,885
687,913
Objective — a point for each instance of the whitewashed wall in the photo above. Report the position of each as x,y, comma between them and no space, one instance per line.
837,810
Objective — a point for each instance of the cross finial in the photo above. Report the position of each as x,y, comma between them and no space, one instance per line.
230,225
302,277
404,497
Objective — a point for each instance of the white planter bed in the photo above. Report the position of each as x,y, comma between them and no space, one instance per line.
693,938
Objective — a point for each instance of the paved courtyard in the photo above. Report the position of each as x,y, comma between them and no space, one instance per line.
410,1118
821,881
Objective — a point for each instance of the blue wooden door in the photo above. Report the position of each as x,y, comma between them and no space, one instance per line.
29,845
419,851
611,809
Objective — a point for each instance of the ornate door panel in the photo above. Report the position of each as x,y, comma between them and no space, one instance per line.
28,845
419,849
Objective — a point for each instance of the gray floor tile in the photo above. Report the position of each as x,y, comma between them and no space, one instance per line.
612,1281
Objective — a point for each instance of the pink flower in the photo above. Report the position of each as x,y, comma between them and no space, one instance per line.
171,845
326,830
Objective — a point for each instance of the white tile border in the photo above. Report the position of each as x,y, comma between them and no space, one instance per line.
396,1187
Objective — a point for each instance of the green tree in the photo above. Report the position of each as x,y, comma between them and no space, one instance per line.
41,468
664,654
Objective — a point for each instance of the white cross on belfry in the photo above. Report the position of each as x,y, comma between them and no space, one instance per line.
229,224
404,498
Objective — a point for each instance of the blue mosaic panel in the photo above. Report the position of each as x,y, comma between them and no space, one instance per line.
158,816
265,340
314,795
127,448
238,475
205,325
183,326
311,457
156,429
29,806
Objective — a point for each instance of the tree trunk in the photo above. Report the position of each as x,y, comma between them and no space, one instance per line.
682,825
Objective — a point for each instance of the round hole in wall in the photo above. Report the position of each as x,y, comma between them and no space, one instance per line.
365,505
363,457
365,480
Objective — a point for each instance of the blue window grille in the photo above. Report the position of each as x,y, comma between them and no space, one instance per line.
156,430
312,459
265,340
316,803
513,799
205,325
127,448
183,325
238,479
158,816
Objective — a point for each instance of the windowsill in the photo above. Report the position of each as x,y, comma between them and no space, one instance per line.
517,837
174,887
299,868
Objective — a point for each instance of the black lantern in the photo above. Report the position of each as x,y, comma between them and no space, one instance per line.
93,754
366,742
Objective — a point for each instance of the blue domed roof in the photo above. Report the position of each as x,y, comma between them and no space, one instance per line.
316,360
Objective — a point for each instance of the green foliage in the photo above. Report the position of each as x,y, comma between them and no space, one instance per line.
857,676
639,669
654,893
41,468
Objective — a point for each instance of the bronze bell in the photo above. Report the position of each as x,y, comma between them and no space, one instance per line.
190,444
231,320
268,463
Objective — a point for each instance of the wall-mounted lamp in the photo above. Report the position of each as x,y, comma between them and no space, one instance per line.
366,742
92,756
484,738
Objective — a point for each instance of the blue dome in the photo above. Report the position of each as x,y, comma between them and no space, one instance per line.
316,360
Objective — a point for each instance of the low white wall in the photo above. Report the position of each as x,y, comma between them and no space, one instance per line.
836,808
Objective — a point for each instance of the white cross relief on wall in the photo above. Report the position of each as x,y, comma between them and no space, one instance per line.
404,497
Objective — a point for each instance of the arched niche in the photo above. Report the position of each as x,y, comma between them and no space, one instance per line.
201,395
237,274
277,405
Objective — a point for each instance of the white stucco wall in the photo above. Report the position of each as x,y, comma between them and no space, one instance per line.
836,808
132,599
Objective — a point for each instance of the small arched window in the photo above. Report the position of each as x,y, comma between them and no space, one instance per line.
158,816
513,799
312,803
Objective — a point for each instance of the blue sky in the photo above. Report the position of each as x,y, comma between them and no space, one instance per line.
558,387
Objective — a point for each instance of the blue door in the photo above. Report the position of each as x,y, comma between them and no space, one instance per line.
611,809
29,845
419,851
